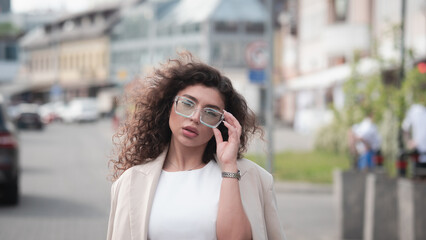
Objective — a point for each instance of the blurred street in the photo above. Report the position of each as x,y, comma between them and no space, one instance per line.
65,191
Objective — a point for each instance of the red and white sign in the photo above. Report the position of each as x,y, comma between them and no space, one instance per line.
257,55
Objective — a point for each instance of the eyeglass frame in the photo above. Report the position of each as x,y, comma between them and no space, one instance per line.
222,117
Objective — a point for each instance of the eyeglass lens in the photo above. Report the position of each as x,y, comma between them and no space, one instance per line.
208,116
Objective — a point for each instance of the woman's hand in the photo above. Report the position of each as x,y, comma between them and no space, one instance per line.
227,151
232,221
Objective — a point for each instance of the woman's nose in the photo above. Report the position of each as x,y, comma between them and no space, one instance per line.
196,116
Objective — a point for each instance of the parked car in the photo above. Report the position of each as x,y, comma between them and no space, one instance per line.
9,160
51,111
81,110
28,117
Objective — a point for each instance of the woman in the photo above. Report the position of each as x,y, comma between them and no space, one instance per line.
179,173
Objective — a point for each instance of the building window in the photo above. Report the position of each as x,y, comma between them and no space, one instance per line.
191,28
337,60
86,22
99,19
329,98
339,10
226,27
255,28
69,26
11,52
227,53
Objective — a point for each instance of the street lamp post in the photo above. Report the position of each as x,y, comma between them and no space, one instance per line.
269,86
401,157
402,70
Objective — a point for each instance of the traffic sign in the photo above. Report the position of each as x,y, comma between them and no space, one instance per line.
257,55
257,76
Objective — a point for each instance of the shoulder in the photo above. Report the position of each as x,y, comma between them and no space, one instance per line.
410,116
250,168
125,177
246,164
415,110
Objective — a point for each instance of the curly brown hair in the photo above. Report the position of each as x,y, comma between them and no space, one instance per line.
146,132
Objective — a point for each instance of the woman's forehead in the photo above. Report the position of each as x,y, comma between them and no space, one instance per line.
203,94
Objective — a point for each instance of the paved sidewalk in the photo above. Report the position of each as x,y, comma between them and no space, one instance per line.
302,187
307,211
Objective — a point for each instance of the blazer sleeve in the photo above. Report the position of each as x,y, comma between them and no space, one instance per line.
112,211
273,224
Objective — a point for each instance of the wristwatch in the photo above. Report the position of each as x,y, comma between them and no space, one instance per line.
236,175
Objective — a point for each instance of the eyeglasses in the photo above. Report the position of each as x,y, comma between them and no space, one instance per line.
208,116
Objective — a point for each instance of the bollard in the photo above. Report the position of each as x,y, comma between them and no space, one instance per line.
350,197
381,208
411,209
405,190
419,210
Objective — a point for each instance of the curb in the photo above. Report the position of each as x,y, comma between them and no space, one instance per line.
303,187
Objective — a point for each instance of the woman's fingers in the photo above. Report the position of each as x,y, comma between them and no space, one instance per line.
234,127
231,119
217,136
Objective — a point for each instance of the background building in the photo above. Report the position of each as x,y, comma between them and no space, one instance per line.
319,40
69,54
216,31
13,26
4,6
82,53
9,64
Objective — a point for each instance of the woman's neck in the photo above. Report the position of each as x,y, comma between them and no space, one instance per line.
183,158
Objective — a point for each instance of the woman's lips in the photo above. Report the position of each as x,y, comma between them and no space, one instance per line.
190,132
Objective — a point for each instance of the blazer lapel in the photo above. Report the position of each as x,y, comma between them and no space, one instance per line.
142,190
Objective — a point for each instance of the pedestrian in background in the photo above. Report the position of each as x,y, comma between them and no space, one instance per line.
365,142
414,127
179,171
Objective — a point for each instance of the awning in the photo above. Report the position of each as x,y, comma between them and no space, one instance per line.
327,78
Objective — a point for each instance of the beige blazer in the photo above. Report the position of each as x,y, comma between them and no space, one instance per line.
133,192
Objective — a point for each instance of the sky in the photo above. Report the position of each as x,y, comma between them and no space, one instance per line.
20,6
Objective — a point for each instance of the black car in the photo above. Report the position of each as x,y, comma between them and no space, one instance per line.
29,120
9,165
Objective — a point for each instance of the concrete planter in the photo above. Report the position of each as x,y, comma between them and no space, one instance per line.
349,190
411,209
381,208
374,206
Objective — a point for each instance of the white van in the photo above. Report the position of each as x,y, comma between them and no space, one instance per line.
81,110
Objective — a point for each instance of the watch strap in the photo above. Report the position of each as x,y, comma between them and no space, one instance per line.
236,175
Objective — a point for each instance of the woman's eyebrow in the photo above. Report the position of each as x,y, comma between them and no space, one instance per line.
196,100
213,106
190,97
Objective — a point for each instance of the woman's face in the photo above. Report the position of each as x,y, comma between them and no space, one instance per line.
190,132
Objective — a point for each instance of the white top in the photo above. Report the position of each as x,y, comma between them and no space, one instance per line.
185,204
367,130
416,120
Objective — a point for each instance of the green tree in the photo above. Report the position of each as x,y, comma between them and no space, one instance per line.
8,29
